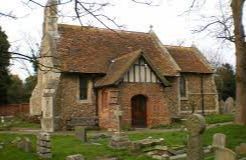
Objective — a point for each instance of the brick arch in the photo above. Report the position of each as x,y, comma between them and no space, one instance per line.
139,110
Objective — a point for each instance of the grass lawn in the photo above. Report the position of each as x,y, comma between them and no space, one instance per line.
219,118
16,122
67,145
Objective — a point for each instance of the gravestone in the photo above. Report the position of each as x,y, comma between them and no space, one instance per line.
81,133
119,139
221,152
25,144
219,140
241,149
75,157
44,145
2,119
195,125
222,106
229,105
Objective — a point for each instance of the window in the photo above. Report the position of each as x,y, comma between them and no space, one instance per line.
182,86
83,86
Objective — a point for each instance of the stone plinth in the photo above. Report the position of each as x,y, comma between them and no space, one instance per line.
119,140
44,145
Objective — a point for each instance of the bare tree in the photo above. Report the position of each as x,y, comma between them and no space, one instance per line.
229,26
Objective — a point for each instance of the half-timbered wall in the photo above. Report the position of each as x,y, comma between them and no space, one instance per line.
141,72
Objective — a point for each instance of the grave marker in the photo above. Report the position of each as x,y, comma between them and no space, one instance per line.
196,126
44,145
81,133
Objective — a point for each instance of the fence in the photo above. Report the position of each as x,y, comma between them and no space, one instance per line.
14,109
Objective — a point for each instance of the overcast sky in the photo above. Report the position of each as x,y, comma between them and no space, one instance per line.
171,27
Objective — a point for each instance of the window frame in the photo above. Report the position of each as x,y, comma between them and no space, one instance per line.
183,82
88,92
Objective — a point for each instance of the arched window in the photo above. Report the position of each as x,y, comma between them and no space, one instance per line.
182,86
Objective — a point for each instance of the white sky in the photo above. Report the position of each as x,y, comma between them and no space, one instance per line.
170,27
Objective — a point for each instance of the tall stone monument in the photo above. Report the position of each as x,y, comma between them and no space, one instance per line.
196,126
42,101
119,139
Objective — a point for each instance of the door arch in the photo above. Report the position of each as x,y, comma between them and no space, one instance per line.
139,111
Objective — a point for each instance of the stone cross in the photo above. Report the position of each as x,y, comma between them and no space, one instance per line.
195,125
118,114
221,152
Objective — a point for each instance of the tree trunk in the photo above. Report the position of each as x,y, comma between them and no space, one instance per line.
240,45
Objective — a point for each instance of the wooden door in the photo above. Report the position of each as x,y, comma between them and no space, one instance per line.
139,115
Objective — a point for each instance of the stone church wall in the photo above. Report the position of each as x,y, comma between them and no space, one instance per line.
194,96
70,105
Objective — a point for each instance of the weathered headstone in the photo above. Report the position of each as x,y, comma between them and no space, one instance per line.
75,157
229,105
25,144
241,149
119,139
81,133
2,119
219,140
221,152
222,106
44,145
195,125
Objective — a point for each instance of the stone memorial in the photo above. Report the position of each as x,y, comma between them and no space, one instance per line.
221,152
195,125
222,106
75,157
219,140
24,144
241,149
229,105
44,145
119,139
81,133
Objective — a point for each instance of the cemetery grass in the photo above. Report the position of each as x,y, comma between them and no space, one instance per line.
17,122
64,145
219,118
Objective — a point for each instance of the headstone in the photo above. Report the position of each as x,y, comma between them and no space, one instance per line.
219,140
241,149
229,105
221,152
222,106
44,145
195,125
80,133
75,157
2,119
25,144
119,139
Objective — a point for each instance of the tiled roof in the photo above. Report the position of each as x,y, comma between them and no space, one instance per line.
90,50
117,68
120,65
190,59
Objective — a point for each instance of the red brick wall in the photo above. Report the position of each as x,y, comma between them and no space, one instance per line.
157,108
14,109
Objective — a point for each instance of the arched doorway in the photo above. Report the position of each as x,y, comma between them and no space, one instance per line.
139,111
